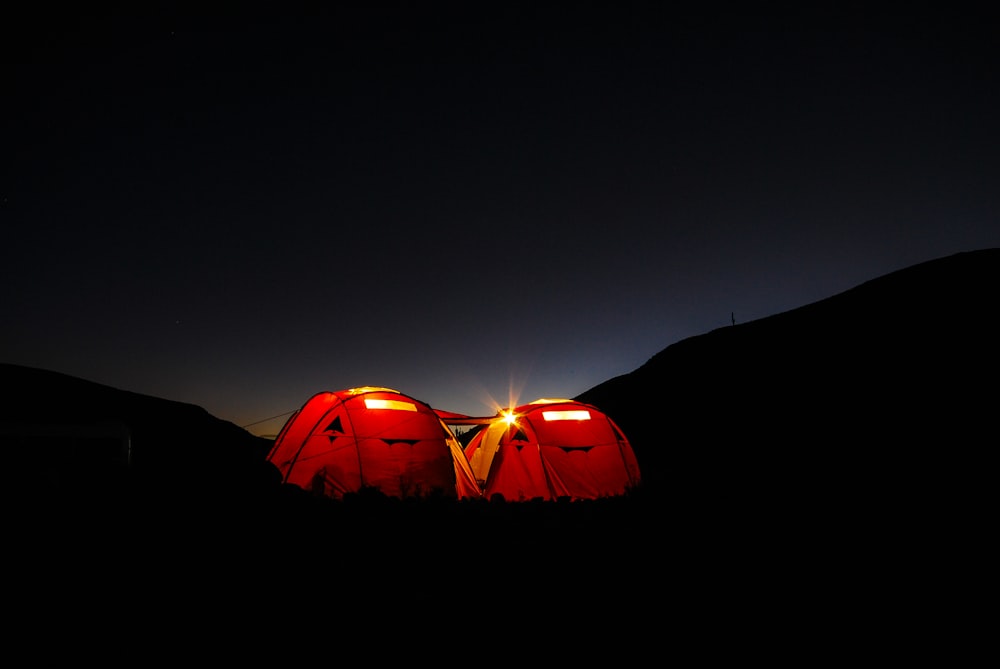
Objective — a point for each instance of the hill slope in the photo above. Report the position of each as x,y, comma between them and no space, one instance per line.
870,389
175,448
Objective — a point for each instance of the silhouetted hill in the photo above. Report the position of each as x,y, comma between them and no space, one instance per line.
885,389
62,432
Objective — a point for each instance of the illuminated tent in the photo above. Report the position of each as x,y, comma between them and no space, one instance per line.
371,437
551,449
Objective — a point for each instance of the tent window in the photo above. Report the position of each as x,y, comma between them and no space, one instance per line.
566,415
371,403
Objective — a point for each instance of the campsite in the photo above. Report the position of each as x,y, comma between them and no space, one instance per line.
868,475
604,333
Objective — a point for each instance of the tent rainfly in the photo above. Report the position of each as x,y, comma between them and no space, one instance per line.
551,449
371,437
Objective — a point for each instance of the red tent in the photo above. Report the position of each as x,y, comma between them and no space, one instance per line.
551,449
371,437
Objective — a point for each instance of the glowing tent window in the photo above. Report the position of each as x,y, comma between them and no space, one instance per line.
371,403
566,415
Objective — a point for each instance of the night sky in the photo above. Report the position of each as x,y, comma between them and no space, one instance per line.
474,203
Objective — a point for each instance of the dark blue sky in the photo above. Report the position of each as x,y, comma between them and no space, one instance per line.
239,209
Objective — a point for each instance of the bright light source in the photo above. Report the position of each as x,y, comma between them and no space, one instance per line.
579,414
372,403
509,417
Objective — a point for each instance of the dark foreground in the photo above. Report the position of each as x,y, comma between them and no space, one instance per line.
663,573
